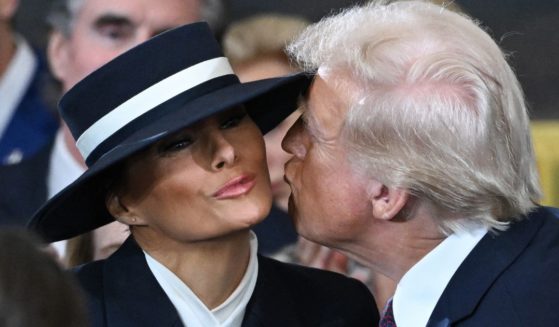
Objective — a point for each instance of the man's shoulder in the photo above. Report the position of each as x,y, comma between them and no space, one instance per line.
25,187
509,278
534,272
36,165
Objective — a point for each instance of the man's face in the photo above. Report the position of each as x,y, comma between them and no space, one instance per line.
103,29
328,202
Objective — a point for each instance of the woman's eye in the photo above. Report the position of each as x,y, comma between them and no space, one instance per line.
178,145
233,121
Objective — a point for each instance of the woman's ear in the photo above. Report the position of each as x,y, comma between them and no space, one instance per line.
120,211
387,201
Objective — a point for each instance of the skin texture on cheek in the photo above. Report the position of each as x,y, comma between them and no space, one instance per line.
329,202
171,189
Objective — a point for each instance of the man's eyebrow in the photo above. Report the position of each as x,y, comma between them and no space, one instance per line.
112,19
311,125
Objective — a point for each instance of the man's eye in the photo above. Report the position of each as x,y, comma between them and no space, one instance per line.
233,121
115,31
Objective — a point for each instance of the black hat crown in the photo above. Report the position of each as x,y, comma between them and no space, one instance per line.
120,97
159,87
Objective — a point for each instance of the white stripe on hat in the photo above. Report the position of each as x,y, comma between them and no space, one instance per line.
149,99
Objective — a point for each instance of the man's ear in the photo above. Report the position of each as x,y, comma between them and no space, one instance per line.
58,54
8,9
386,201
120,211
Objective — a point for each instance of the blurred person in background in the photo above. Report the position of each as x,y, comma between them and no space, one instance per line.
27,122
95,245
34,291
85,35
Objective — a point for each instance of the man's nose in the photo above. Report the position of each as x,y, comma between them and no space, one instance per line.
293,140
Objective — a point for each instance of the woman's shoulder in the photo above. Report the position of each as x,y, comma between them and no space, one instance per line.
322,295
310,279
90,275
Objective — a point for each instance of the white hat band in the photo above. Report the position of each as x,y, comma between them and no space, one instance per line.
149,99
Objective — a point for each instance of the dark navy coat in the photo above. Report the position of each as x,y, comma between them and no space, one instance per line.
123,292
24,187
509,279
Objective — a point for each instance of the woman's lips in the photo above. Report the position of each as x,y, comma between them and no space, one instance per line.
236,187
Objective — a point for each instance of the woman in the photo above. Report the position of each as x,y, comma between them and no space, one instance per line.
175,151
255,49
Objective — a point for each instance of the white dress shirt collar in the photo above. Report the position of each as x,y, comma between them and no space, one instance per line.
63,167
421,287
192,311
63,170
15,81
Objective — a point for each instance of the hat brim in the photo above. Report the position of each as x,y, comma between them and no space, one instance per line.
80,207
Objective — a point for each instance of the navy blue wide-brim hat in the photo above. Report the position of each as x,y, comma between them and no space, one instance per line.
159,87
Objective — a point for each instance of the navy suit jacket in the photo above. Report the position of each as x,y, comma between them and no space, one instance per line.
123,292
509,279
33,123
24,187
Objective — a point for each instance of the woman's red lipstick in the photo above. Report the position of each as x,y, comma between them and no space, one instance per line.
236,187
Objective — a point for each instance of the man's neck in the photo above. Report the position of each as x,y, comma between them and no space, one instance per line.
393,248
7,47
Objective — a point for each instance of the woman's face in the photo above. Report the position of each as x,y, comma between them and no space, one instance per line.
266,67
206,181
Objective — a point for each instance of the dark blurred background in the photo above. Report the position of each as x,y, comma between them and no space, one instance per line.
527,29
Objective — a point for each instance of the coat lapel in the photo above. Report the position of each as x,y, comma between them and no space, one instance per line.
492,255
133,296
270,305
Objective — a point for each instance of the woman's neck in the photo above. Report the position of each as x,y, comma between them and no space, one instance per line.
211,269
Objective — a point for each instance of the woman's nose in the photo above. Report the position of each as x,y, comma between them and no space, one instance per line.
223,154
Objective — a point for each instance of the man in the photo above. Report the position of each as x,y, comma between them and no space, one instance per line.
86,34
26,121
413,156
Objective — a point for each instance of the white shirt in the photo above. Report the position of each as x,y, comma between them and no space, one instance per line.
15,81
192,311
421,287
63,170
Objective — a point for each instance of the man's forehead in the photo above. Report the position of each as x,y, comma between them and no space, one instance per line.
325,106
174,11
